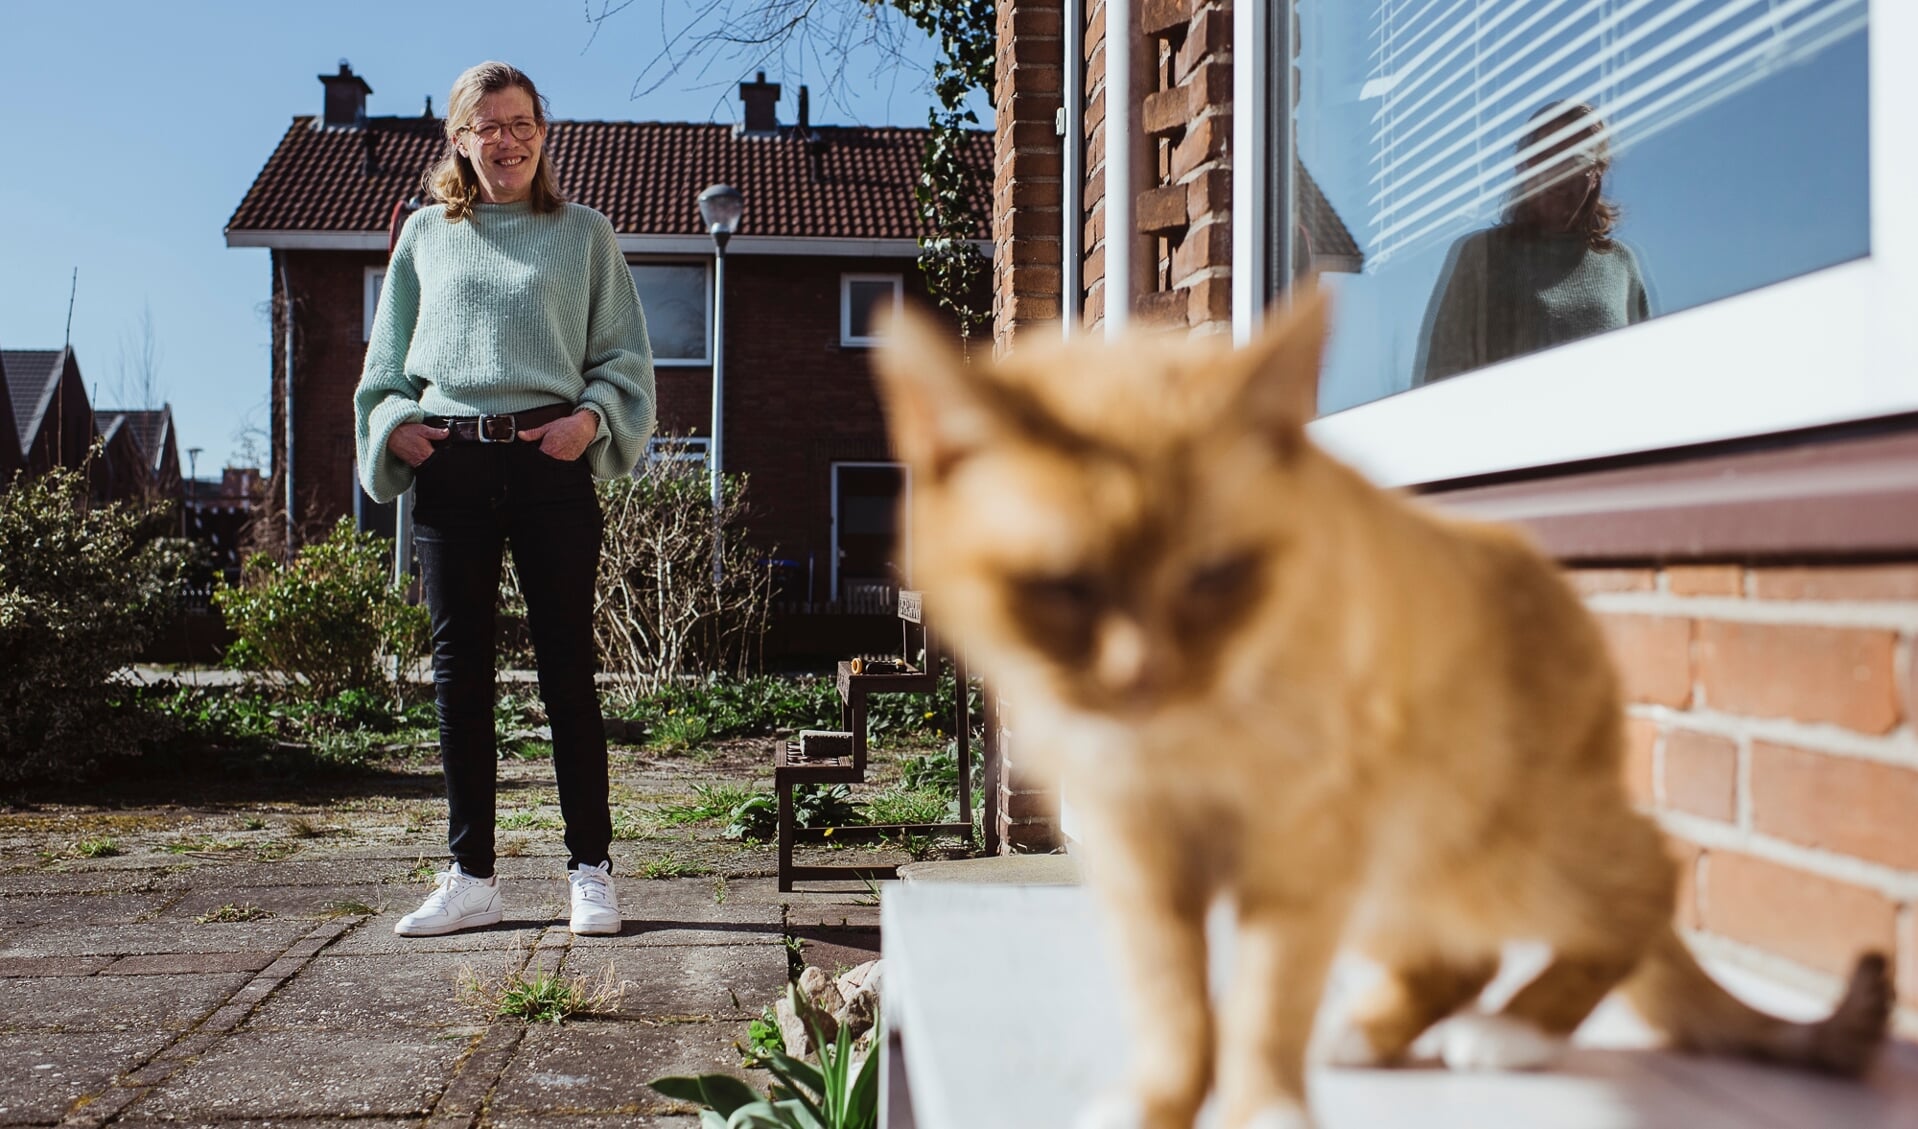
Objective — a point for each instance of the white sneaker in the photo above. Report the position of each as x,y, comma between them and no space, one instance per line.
595,902
461,901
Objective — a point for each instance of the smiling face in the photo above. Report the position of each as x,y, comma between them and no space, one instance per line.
505,165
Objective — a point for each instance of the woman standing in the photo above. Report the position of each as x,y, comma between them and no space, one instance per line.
1551,272
508,366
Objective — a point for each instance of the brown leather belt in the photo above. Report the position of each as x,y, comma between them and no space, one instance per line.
500,428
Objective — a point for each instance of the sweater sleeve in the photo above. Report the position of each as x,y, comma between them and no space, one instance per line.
387,397
1453,340
619,361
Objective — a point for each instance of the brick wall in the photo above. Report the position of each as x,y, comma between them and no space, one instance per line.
1188,117
1026,168
328,290
1772,733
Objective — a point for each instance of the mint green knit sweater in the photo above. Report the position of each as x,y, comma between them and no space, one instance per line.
505,311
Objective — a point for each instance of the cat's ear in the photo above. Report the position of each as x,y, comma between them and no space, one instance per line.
1280,368
934,409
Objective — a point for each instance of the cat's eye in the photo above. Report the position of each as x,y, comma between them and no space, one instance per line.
1224,578
1074,592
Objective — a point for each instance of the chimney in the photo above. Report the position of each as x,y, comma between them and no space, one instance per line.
345,97
805,110
762,105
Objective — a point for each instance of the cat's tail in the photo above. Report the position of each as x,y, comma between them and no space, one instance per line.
1677,997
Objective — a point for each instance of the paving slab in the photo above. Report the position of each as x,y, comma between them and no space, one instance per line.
282,1074
283,901
156,937
42,1073
685,911
79,909
724,982
837,950
297,871
113,1003
602,1066
375,936
420,989
168,964
89,881
53,966
588,1121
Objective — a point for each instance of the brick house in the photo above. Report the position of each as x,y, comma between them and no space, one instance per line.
1733,483
829,233
52,417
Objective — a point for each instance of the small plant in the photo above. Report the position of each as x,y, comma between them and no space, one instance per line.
252,823
347,909
202,846
423,870
836,1094
230,914
301,827
763,1038
628,826
719,889
96,848
668,865
709,802
677,732
756,818
544,997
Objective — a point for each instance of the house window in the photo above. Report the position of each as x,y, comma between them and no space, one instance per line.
871,551
863,301
1491,188
677,299
370,301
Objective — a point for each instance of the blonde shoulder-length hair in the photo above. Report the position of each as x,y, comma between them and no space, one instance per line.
452,182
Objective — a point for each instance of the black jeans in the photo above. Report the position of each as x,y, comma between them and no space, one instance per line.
471,501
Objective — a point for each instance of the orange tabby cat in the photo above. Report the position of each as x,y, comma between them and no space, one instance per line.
1258,676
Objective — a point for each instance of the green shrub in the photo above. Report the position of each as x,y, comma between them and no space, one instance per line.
325,623
83,587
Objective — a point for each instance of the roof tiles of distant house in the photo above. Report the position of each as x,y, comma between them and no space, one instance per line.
848,182
149,429
31,374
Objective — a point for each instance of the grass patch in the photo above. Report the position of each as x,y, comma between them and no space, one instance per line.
719,890
544,997
628,826
709,802
669,865
678,732
93,848
903,805
202,846
347,909
526,749
252,823
231,914
423,870
300,827
529,821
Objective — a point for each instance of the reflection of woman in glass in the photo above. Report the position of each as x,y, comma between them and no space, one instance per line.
1550,272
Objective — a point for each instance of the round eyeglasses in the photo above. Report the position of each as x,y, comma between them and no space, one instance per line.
522,130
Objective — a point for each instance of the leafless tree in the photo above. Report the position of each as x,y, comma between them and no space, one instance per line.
839,45
136,382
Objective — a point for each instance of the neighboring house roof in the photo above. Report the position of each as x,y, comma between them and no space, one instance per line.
153,431
32,376
1332,245
6,410
844,182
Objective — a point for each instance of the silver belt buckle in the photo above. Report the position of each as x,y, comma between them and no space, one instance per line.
485,429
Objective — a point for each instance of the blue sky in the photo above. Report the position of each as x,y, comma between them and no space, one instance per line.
136,128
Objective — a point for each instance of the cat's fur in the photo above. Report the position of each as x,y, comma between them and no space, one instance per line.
1257,675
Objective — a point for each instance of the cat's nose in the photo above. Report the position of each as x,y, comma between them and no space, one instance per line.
1123,661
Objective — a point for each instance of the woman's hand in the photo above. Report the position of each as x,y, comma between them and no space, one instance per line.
412,443
565,439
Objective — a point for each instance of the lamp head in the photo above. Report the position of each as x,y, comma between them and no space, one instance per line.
720,207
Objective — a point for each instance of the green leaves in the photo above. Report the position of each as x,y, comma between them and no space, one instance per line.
836,1094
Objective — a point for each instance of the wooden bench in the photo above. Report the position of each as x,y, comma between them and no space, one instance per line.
826,758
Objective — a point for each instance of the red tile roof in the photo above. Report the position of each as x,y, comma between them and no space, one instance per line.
851,182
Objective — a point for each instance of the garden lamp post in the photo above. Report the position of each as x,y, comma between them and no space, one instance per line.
720,207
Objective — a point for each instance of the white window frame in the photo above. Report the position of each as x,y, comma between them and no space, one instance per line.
905,519
705,359
371,281
1836,345
845,307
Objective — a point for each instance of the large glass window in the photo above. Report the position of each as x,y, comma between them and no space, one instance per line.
1477,180
676,298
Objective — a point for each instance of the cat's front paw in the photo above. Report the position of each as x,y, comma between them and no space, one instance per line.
1476,1041
1280,1117
1352,1049
1113,1111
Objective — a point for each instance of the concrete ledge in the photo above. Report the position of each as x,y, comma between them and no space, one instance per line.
999,870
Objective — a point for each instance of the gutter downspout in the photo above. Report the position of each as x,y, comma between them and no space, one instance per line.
1072,255
1119,165
286,308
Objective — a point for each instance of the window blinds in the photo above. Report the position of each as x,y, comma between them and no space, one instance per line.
1458,82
